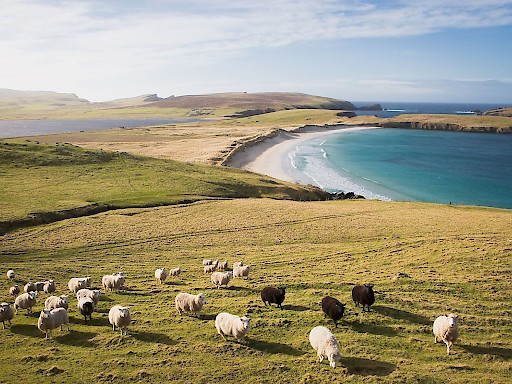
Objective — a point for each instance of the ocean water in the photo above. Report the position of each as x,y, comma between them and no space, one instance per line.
19,128
411,165
391,109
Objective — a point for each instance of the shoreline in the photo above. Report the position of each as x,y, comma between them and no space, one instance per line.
268,155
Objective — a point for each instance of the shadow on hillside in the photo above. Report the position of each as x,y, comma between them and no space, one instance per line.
207,317
480,350
98,321
273,348
75,338
371,328
235,288
367,367
402,315
26,330
296,308
152,337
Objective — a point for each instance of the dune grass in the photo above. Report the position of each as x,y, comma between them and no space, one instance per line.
458,259
47,178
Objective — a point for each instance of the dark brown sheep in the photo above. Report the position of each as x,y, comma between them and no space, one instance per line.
363,294
333,309
272,295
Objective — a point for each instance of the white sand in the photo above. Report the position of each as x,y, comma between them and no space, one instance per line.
270,157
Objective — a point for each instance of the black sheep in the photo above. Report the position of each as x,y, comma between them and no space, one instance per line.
86,308
333,308
363,294
272,295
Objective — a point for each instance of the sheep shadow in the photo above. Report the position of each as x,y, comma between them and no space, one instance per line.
207,317
505,353
26,330
235,288
399,314
152,337
76,338
296,308
96,321
366,367
273,348
372,328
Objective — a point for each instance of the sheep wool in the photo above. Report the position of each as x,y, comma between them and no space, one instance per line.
238,264
49,286
446,329
207,262
94,294
10,274
119,317
232,325
160,275
76,283
242,271
324,343
185,302
175,272
223,265
52,319
219,278
14,290
56,302
30,287
25,301
112,282
6,313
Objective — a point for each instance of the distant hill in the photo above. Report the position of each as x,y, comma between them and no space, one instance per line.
41,97
251,101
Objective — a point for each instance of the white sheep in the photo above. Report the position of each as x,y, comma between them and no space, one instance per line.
121,277
186,302
86,307
50,319
232,325
120,317
160,275
223,265
242,271
175,272
49,286
238,264
324,343
446,329
56,302
210,268
29,287
219,278
94,294
6,313
88,281
76,283
25,301
112,282
10,274
14,290
207,262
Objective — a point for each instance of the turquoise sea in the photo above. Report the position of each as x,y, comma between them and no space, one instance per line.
411,165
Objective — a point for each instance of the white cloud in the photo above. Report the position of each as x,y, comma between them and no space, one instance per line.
71,42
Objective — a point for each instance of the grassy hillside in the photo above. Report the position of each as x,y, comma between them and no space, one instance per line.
458,259
47,178
244,100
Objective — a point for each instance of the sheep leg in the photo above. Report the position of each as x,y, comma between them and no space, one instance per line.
114,327
448,346
320,357
3,324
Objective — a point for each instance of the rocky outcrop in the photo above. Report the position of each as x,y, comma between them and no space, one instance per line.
439,126
507,112
346,196
373,107
346,114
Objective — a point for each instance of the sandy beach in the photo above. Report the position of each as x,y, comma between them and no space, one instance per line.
270,156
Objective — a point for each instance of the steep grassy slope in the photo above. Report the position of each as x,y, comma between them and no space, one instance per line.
47,178
458,260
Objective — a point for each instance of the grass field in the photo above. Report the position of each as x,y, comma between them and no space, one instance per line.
47,178
458,260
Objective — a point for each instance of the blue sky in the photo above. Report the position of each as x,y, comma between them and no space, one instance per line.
368,50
